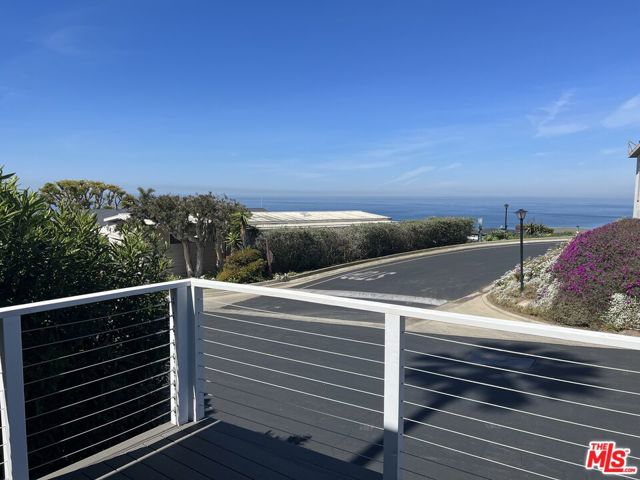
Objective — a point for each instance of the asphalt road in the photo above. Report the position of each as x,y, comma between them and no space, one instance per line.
426,282
441,277
319,384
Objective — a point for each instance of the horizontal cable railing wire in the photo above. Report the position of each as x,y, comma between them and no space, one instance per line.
524,412
94,375
515,352
115,390
522,392
295,330
293,390
454,372
99,349
298,406
293,435
302,377
336,379
289,344
100,371
481,457
509,370
109,317
94,335
100,443
507,427
341,370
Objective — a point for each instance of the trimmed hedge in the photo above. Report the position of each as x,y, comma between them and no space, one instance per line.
302,249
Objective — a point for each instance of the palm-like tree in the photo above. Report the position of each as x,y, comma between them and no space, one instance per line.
233,241
241,222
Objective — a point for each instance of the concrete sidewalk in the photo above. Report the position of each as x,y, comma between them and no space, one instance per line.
478,303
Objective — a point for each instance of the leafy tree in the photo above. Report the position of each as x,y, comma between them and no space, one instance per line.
233,241
48,253
195,220
87,194
168,212
240,225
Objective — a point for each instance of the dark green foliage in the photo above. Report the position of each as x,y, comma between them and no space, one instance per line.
243,266
537,229
194,220
499,235
85,194
301,249
48,253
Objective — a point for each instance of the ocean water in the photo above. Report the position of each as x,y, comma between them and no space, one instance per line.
554,212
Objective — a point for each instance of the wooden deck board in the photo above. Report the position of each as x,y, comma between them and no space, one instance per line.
211,450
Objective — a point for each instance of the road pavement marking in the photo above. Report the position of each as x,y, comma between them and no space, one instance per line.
382,263
367,276
390,297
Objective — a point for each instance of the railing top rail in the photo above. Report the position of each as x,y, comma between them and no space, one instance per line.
57,303
511,326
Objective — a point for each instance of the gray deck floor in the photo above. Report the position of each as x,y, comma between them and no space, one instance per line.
211,449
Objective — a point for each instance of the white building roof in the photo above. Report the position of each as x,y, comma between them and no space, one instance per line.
123,217
341,218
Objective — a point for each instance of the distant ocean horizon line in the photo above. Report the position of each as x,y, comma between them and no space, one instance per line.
581,212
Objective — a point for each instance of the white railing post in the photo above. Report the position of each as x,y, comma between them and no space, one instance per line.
196,360
14,434
394,326
180,354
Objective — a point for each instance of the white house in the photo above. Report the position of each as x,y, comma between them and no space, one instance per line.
265,220
175,252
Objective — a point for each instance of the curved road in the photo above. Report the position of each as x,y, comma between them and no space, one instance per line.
426,281
474,410
440,277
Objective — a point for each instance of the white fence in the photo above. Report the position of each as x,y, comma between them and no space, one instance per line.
189,362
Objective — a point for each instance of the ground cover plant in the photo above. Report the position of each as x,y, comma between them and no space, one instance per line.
593,280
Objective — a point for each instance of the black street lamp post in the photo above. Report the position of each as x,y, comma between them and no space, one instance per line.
506,207
521,214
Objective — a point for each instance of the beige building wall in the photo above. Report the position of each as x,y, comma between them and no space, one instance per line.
178,265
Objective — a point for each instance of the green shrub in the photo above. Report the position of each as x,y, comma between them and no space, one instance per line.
302,249
243,266
537,229
47,253
499,235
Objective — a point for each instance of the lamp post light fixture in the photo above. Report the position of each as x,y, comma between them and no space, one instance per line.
506,208
521,214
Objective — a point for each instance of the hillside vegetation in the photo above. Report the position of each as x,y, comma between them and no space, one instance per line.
594,280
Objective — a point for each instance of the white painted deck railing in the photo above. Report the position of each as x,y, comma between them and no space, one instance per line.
189,362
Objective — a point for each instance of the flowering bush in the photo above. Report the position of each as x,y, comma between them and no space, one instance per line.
540,288
594,280
623,312
594,266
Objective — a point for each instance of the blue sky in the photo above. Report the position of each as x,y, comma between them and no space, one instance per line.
414,97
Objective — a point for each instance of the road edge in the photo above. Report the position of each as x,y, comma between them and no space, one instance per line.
321,273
